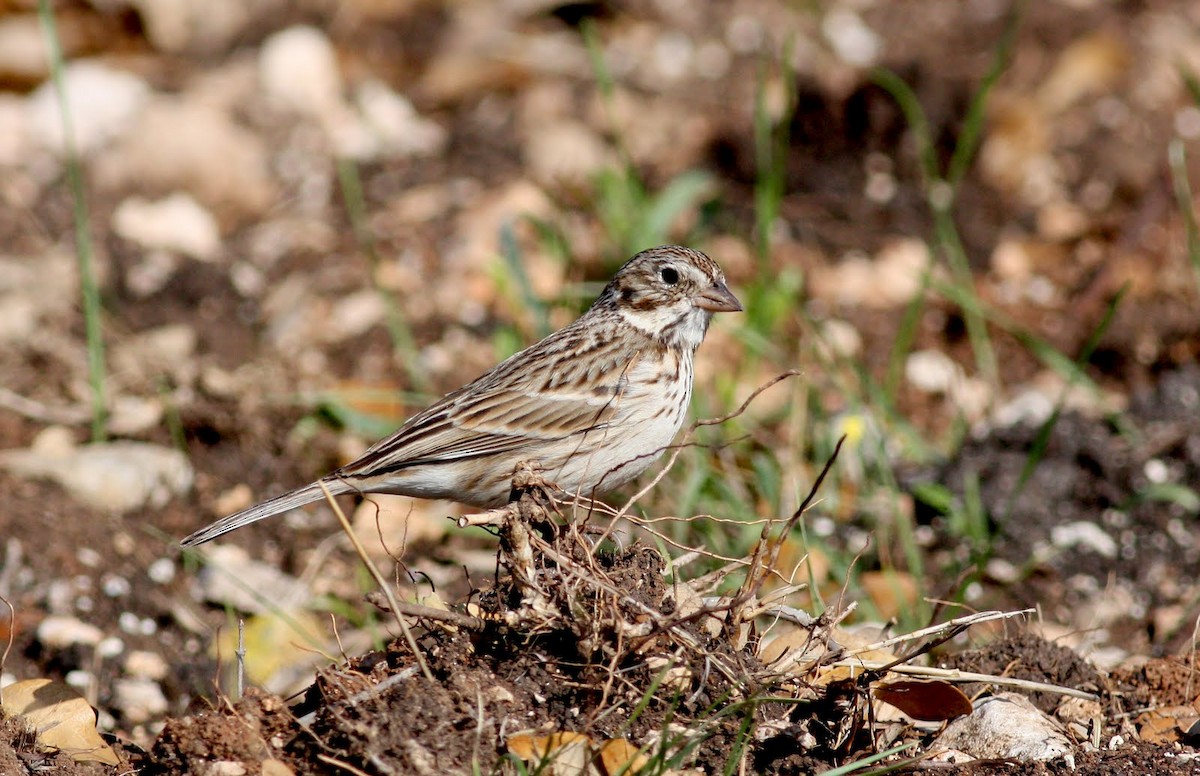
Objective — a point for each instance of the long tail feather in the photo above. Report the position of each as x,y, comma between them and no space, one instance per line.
269,508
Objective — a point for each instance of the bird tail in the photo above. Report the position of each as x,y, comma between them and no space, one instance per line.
269,508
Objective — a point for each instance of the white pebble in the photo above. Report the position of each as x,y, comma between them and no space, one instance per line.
145,665
114,476
57,631
129,622
1156,471
175,223
931,371
161,571
88,556
298,68
79,679
852,40
115,586
139,700
1086,535
103,103
110,647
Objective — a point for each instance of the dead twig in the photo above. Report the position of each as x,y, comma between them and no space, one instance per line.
379,580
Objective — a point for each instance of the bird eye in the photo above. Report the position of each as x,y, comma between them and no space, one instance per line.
669,276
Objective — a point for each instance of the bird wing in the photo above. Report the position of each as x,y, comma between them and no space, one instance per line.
506,411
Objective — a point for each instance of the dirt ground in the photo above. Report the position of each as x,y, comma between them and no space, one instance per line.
476,128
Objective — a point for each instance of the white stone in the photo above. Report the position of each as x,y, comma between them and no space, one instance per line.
852,39
354,315
114,476
1084,535
161,571
565,152
188,145
232,578
176,223
190,25
14,142
298,69
840,339
141,664
22,47
931,371
1006,726
221,768
394,123
103,103
18,317
59,631
131,415
139,700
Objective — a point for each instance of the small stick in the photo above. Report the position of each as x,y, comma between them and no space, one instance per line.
379,580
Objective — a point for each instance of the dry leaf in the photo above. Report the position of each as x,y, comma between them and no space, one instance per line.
62,718
796,643
618,756
563,754
930,701
1168,724
892,592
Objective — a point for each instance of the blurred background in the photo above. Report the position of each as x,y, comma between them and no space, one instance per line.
242,239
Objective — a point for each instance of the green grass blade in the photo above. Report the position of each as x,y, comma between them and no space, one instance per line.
1177,159
972,131
83,239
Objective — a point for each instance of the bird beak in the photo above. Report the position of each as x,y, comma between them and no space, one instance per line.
717,298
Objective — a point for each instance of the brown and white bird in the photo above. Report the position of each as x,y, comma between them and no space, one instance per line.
592,405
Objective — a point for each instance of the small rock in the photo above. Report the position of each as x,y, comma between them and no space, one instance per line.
853,41
22,48
177,223
146,356
931,371
81,680
888,281
115,586
176,26
139,700
273,767
221,768
18,317
141,664
354,315
14,142
1006,726
161,571
565,152
129,415
395,125
113,476
1060,221
104,104
840,339
232,578
58,631
298,69
1083,535
197,148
